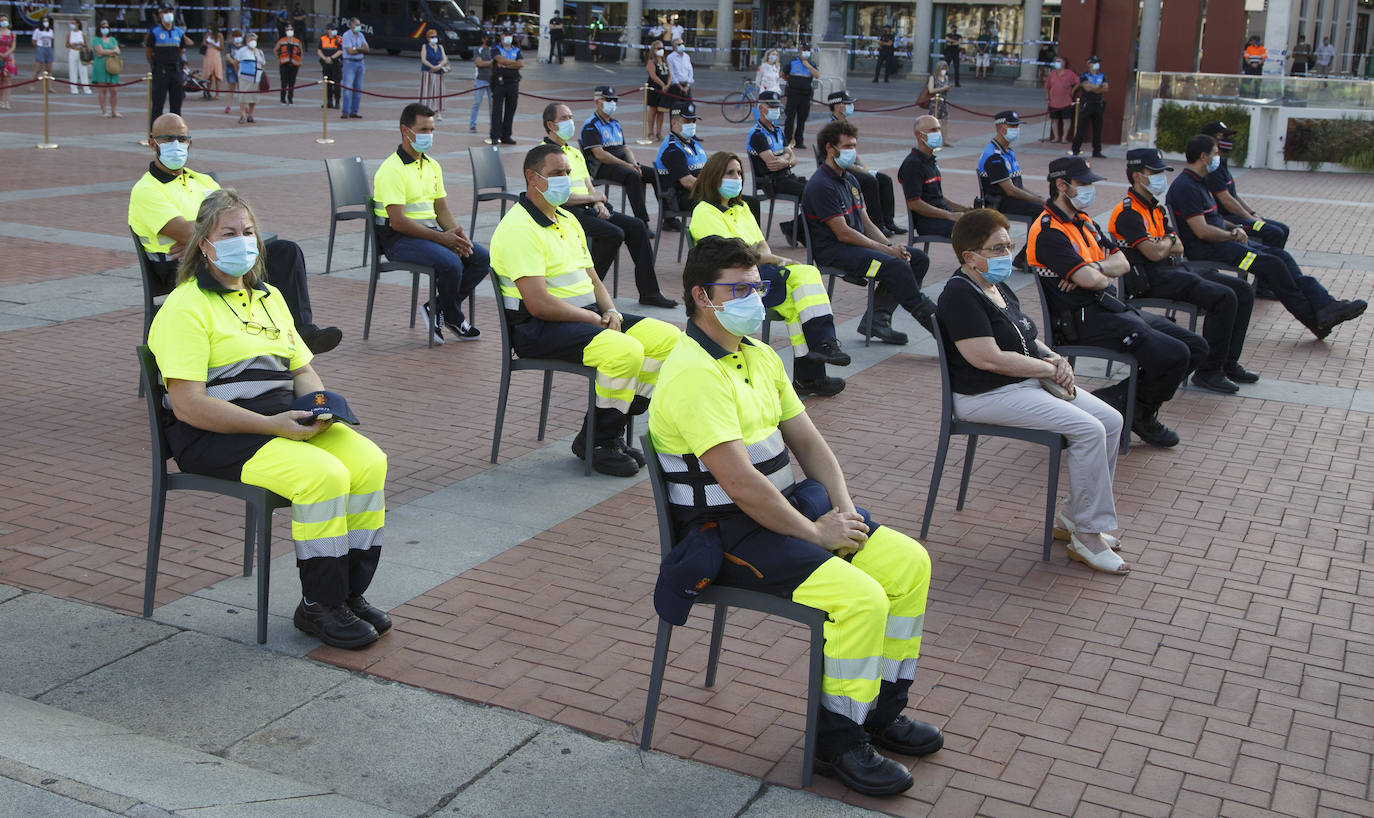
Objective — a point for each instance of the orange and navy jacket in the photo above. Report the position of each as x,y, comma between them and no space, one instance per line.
1057,246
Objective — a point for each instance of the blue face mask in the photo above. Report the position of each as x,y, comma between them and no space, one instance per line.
565,129
560,188
236,255
1012,133
730,188
774,114
172,155
423,142
935,139
1157,184
999,269
742,316
689,129
609,107
1214,164
1083,199
849,109
847,157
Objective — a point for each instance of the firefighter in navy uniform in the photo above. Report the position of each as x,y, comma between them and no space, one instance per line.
1077,271
876,185
722,424
1222,184
1156,252
922,185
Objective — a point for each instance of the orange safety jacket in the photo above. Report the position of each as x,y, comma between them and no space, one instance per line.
289,51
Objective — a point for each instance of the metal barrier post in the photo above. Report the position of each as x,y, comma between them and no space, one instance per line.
645,140
324,117
147,114
46,144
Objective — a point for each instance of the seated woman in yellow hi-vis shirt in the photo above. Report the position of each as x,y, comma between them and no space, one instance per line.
234,368
796,292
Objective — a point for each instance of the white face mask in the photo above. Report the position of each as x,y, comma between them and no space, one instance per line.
1058,65
433,40
168,18
252,43
290,33
104,32
773,58
238,41
806,55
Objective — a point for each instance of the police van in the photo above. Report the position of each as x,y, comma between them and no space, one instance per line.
401,25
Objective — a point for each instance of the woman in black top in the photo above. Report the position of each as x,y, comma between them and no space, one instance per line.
996,369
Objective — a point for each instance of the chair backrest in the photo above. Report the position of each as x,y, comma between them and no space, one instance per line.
348,182
946,387
507,351
806,235
154,392
152,288
487,171
660,487
1046,325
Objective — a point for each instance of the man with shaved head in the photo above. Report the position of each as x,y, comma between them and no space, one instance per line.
162,213
931,213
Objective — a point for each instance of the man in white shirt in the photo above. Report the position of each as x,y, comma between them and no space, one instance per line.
1326,54
680,65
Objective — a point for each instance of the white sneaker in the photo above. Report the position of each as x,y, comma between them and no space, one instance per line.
435,333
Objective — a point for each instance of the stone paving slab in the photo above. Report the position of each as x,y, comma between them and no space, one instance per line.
34,802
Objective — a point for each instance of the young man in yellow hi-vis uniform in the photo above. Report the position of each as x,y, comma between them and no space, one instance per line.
558,308
722,422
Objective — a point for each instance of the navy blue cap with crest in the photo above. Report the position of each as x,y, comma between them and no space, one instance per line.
325,402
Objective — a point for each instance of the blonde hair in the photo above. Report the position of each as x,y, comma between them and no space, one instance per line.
212,209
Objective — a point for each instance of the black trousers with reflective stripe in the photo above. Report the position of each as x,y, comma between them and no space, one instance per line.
1226,300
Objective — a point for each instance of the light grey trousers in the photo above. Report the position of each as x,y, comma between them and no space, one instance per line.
1092,427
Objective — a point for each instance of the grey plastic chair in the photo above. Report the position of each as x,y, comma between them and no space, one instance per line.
488,181
664,212
950,426
510,362
925,241
1075,351
760,195
723,598
377,267
349,190
260,503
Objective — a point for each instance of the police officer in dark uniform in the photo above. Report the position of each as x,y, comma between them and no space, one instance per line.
1156,253
506,62
1092,85
162,45
931,213
607,155
681,156
999,174
800,75
770,157
1270,233
887,55
1078,267
1208,237
876,185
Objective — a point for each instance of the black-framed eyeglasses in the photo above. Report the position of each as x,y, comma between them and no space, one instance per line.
742,289
164,139
254,328
271,331
996,252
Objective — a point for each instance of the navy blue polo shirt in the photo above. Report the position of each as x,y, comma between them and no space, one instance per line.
799,79
1221,179
997,165
920,178
761,141
500,74
166,44
827,196
1188,196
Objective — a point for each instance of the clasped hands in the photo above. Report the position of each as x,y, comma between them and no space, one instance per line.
841,532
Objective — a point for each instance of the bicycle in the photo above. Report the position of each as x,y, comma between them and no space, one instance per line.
737,106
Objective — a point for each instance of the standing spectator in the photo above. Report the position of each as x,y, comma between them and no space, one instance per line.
952,50
434,65
162,46
77,50
683,75
1092,86
212,66
982,58
250,61
801,75
1326,55
330,52
1255,55
887,55
281,19
507,61
1044,58
938,87
767,77
659,77
481,85
289,51
1059,87
231,67
354,68
596,33
42,48
106,81
300,21
9,67
1302,56
556,38
676,31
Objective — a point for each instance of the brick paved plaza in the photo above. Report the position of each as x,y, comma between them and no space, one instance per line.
1232,673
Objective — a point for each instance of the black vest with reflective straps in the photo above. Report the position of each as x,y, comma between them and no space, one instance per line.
694,493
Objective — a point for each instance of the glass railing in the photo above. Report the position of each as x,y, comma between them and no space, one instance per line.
1348,95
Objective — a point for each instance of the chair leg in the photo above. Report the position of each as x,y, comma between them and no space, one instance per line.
941,451
367,238
433,303
658,233
968,469
414,297
371,297
329,254
544,402
591,427
717,636
868,335
1051,496
500,412
615,275
472,226
264,568
155,515
665,635
813,702
792,241
250,519
1129,419
769,229
681,240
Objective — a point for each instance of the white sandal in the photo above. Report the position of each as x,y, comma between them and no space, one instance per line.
1064,528
1108,562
